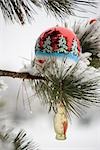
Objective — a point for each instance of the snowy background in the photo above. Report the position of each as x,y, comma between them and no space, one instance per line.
16,49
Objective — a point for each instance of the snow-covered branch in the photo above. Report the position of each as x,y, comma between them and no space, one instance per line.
21,75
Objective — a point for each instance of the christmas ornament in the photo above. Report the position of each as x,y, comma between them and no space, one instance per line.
57,42
60,122
67,87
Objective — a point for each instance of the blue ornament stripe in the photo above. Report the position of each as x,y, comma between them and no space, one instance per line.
69,55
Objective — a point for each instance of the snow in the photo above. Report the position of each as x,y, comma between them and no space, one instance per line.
17,42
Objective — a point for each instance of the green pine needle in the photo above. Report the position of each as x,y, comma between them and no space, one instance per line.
17,142
74,86
22,10
89,37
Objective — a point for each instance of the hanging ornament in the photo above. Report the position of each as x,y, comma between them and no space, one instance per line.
60,122
67,88
57,42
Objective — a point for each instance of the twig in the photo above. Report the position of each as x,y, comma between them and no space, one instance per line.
21,75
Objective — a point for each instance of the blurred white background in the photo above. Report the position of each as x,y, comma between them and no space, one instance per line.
16,43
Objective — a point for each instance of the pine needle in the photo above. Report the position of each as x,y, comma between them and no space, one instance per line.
17,142
24,10
27,96
78,87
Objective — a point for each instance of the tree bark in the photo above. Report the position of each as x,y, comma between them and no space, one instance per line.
21,75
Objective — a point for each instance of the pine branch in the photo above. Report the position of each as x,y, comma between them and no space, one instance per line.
77,86
88,34
21,75
60,8
20,10
20,142
17,142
